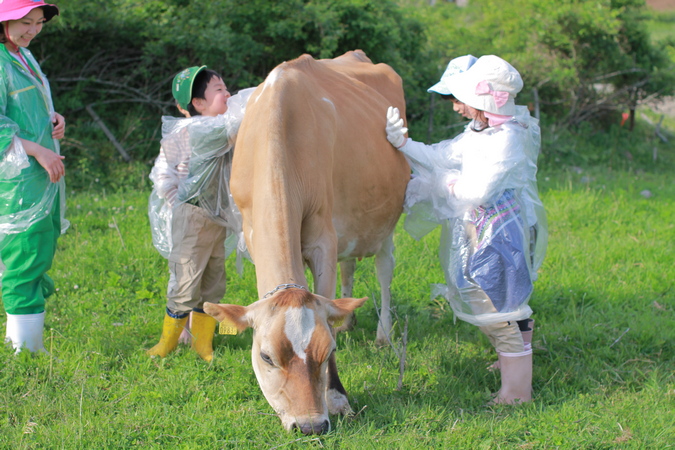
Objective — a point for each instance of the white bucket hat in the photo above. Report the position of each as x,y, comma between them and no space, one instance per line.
491,84
457,65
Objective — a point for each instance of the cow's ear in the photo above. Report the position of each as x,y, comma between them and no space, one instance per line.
342,307
234,314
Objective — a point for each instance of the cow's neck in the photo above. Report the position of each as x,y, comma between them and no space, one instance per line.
277,255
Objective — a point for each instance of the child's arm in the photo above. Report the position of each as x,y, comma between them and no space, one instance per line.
47,158
165,178
421,156
13,157
213,136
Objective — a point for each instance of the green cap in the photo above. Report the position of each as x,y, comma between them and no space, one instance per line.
181,88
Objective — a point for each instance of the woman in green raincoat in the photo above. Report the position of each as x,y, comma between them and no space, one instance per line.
31,174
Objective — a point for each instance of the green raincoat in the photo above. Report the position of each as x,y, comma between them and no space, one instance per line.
31,206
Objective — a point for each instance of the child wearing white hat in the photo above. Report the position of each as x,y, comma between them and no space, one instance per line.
481,187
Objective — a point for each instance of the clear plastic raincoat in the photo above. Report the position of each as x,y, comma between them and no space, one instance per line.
194,166
494,233
27,196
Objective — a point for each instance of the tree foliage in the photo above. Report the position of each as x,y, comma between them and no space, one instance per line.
586,58
119,56
141,45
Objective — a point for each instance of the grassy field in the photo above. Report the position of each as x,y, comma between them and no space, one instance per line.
604,343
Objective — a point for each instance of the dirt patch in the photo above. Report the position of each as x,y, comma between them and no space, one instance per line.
662,5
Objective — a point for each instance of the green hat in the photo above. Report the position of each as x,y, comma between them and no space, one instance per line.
181,88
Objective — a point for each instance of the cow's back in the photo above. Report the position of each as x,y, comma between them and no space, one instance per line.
313,141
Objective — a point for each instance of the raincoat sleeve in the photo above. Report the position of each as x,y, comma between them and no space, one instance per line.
13,157
423,157
209,135
236,107
211,139
431,165
165,178
161,202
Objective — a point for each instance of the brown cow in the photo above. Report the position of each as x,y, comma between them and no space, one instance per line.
316,182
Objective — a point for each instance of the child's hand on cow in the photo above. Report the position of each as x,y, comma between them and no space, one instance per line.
395,129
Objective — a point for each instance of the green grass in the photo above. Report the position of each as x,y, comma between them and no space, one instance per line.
661,25
604,343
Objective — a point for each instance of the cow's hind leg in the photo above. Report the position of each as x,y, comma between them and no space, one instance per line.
347,268
384,262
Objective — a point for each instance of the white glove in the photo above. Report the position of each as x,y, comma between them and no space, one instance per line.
450,180
395,129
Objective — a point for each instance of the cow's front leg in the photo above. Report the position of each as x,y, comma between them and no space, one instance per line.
336,395
321,257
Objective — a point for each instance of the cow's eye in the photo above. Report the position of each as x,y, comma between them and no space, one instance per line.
265,357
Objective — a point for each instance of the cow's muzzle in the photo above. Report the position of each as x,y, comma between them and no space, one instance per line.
312,428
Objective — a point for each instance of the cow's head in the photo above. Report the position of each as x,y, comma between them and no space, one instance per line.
292,342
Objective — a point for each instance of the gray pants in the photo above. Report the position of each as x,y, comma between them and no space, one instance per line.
197,260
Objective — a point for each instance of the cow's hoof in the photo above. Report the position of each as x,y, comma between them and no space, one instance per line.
382,342
337,403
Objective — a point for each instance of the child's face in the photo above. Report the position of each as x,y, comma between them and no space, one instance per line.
215,98
22,31
467,111
461,108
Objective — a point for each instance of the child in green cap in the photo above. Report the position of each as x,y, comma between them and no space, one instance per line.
190,208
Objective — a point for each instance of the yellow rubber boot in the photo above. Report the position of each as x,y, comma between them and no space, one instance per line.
170,334
203,327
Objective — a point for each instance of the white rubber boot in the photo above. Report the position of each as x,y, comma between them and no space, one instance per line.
516,370
25,331
527,342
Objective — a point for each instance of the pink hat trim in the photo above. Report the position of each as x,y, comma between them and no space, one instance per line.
17,9
501,97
